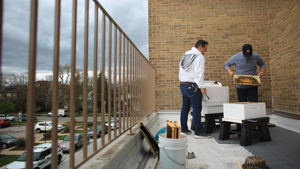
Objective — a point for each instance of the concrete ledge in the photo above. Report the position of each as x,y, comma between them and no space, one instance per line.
287,114
125,152
292,124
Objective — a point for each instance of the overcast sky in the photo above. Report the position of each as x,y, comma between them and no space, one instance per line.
130,15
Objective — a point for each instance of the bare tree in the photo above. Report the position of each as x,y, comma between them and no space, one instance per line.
48,94
64,73
78,88
18,84
64,76
49,78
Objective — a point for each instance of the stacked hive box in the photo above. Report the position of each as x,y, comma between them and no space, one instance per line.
216,96
244,110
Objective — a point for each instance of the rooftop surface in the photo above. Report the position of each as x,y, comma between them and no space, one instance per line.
282,152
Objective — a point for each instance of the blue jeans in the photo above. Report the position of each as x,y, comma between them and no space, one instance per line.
191,95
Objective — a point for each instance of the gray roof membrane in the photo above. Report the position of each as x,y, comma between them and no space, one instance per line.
283,152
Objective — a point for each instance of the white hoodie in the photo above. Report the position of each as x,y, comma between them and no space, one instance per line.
195,72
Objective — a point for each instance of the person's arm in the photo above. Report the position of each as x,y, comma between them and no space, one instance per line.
262,72
199,68
230,72
262,65
228,64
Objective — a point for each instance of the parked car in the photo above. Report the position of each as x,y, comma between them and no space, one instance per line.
41,157
7,140
24,117
42,126
46,126
117,114
59,126
60,113
65,144
11,118
91,131
4,122
112,124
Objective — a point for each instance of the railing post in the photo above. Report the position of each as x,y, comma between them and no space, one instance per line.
109,79
1,33
85,77
55,99
72,85
95,89
103,79
31,82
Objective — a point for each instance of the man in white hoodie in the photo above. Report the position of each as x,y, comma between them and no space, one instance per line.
191,76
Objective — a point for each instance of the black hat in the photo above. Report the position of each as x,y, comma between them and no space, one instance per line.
247,50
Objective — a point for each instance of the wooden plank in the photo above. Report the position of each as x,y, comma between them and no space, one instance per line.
168,129
174,132
150,139
178,129
171,130
232,120
239,164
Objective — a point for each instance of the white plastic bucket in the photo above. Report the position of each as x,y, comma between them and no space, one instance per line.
172,152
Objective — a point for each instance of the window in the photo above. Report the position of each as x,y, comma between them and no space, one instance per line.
44,154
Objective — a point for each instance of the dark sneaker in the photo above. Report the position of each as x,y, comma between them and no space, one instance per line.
186,132
202,136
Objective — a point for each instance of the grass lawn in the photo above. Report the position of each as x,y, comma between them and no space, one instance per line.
98,115
61,137
89,115
23,122
81,122
7,159
76,131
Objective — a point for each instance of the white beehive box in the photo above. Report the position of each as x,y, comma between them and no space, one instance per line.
211,108
243,110
216,93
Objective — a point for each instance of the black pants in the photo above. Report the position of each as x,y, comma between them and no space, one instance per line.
247,94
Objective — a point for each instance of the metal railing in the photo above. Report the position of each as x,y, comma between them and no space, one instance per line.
134,93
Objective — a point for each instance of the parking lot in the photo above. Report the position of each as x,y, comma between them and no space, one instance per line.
20,131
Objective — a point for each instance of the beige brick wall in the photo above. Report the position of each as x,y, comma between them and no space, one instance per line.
175,26
284,24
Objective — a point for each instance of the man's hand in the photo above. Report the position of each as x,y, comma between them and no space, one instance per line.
230,72
262,72
203,91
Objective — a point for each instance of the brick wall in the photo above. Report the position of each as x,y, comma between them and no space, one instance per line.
284,23
175,26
